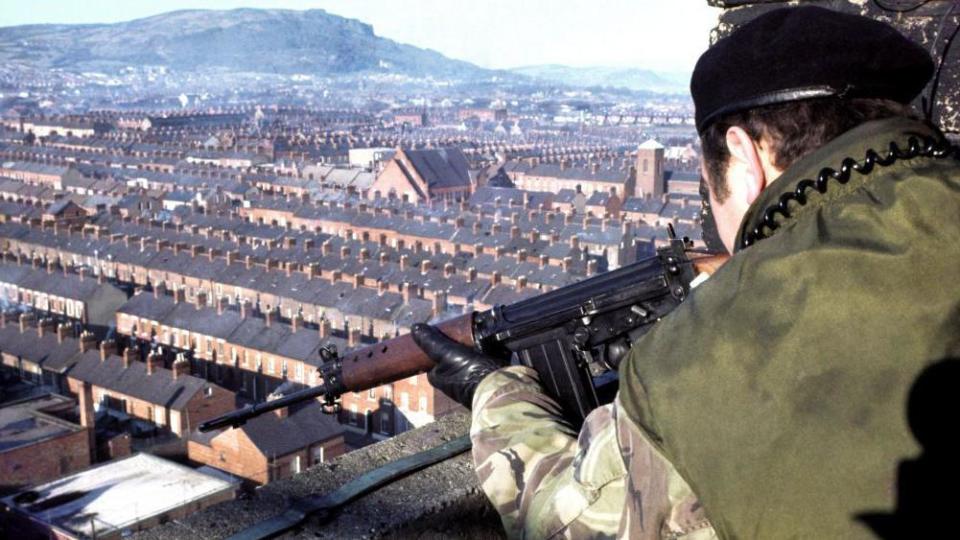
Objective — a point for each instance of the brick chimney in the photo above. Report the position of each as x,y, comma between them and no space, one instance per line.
358,281
326,248
439,304
231,257
407,292
471,274
566,264
107,348
364,254
522,255
180,367
269,316
591,267
51,267
544,260
179,295
88,341
26,321
244,309
449,269
248,261
201,299
404,262
128,355
575,242
46,326
221,305
382,287
353,338
64,331
325,328
296,322
344,252
154,362
335,276
425,266
498,253
521,283
494,278
87,416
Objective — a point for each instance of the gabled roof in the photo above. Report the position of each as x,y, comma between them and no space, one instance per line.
159,387
440,168
305,425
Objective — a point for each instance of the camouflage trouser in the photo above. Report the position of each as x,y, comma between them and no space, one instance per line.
546,481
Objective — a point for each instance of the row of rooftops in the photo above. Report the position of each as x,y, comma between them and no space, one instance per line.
263,332
367,296
50,280
55,348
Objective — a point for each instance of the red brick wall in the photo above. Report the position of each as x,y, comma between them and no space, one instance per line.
45,461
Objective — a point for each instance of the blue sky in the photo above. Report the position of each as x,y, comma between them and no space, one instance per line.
665,35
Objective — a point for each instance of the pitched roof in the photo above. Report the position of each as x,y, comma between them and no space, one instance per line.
440,168
159,387
305,425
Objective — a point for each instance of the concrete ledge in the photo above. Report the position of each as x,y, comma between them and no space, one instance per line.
442,501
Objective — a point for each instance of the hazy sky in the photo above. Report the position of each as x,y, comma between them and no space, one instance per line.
666,35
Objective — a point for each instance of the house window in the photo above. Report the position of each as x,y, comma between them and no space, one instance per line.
404,401
413,380
371,394
353,414
385,423
388,392
423,403
299,371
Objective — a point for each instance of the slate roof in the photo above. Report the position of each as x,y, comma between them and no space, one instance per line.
305,425
441,168
159,388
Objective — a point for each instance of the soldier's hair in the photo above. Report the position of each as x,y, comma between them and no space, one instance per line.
792,130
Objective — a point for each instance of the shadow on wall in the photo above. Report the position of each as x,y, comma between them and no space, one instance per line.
926,496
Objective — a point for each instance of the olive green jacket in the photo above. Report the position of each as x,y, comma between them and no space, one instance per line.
778,389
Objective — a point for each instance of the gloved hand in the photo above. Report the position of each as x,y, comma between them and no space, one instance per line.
459,368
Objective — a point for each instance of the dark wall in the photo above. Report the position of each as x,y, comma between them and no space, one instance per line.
930,25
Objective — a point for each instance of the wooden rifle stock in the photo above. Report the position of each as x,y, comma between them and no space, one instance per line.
398,358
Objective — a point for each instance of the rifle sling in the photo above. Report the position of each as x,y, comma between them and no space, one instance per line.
323,507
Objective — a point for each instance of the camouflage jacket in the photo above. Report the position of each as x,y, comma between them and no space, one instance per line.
777,390
546,481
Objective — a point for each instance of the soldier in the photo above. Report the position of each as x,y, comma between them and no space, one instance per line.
771,403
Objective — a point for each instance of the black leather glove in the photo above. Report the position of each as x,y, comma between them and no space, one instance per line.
459,368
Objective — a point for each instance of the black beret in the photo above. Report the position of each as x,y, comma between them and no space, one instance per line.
798,53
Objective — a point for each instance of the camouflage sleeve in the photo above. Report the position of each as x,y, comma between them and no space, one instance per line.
547,481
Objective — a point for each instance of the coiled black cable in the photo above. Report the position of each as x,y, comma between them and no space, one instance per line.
931,147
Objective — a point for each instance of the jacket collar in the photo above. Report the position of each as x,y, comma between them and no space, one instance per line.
876,135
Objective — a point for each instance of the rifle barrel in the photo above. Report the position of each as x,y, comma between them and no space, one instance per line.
240,416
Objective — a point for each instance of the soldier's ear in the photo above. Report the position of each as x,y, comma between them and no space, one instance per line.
745,172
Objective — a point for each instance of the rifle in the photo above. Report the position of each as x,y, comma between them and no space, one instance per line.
574,337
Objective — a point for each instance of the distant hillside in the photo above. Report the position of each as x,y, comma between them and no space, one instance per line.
259,40
633,79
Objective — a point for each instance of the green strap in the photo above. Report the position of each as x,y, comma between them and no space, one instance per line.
323,507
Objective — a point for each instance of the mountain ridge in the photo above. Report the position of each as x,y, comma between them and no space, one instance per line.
244,39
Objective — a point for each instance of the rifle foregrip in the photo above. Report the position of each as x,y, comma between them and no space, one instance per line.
399,357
